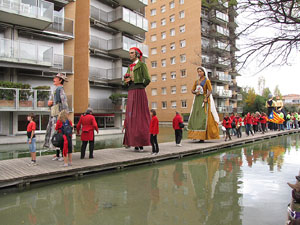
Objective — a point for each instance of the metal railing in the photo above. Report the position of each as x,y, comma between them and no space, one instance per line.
63,63
100,74
25,52
239,109
223,93
107,105
239,97
222,77
62,25
39,9
225,109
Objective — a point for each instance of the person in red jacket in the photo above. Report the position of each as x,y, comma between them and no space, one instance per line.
227,124
154,130
238,123
248,121
88,123
263,121
255,119
178,130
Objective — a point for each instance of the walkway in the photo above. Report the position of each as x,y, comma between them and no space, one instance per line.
16,172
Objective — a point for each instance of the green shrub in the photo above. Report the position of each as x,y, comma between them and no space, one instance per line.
11,94
42,95
116,97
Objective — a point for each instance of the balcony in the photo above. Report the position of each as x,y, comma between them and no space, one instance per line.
62,63
25,53
133,4
221,77
239,97
62,26
117,46
239,110
106,105
222,93
225,109
36,14
113,75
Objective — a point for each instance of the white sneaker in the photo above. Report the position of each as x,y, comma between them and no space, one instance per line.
179,145
55,158
152,153
60,159
141,150
156,153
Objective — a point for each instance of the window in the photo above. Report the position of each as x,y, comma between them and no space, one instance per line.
163,9
183,89
153,64
163,22
172,32
153,78
205,58
173,104
173,90
183,104
183,73
163,63
181,14
153,38
182,43
164,91
153,12
172,46
222,30
163,105
153,25
154,105
153,1
163,35
173,75
183,58
154,91
222,16
172,5
173,60
40,120
163,76
181,2
172,18
182,29
163,49
153,51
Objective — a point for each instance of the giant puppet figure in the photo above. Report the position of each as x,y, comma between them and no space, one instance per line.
137,117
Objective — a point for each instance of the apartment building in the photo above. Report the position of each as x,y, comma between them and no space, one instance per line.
184,34
36,42
105,31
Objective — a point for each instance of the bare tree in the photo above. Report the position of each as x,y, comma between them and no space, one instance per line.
272,28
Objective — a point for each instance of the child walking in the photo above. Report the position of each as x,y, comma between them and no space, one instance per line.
154,130
227,124
31,127
64,126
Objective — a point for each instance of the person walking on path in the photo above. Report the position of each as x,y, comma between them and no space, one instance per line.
227,124
31,140
64,126
238,122
154,130
263,121
288,121
255,120
270,105
204,119
248,121
233,125
57,103
137,114
177,126
88,124
281,115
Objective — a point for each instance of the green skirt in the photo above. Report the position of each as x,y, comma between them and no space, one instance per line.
198,117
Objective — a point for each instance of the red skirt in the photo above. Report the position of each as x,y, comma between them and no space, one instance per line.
137,119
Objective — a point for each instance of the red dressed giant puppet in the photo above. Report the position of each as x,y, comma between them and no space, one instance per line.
137,117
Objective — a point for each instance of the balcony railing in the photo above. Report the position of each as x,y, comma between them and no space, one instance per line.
119,46
100,105
225,109
107,75
239,109
25,11
63,63
239,97
222,77
62,25
25,52
133,4
223,93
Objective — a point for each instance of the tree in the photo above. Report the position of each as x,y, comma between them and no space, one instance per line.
282,21
250,99
277,92
266,93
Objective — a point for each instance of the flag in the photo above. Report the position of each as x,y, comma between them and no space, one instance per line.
275,118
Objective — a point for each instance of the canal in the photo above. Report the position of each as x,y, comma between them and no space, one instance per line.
239,186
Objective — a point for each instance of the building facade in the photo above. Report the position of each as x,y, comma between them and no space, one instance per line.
36,42
184,34
105,31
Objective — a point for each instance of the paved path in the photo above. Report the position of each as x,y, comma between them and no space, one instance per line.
16,172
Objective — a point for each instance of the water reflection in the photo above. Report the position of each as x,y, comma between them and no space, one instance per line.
233,187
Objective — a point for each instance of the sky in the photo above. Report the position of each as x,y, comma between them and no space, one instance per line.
287,77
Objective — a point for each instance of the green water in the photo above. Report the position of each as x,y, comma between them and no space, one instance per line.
240,186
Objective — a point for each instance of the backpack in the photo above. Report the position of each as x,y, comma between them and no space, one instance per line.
67,129
57,139
233,124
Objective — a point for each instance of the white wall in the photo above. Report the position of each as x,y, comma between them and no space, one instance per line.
101,34
101,63
100,93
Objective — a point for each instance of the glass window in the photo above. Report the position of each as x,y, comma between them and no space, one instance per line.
153,78
222,16
222,30
183,104
183,58
173,60
181,14
154,105
172,46
183,73
163,105
173,75
153,38
164,91
172,18
154,91
163,63
163,76
153,64
153,1
163,35
153,12
173,90
163,22
181,2
109,121
182,29
183,89
172,5
153,25
172,32
163,9
153,51
163,49
182,43
173,104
